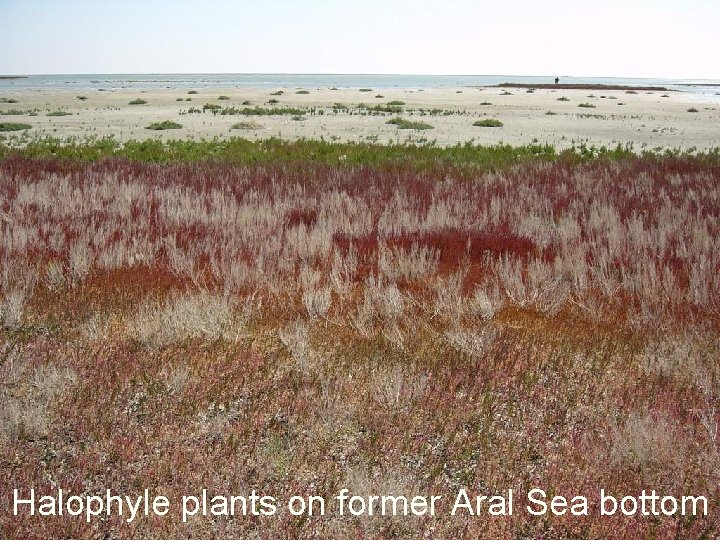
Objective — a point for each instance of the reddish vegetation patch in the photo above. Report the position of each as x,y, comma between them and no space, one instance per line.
301,216
306,329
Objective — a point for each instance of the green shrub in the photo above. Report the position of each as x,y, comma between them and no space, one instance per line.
241,150
8,100
403,123
488,122
137,101
211,107
165,124
59,113
193,92
563,98
12,126
586,105
13,112
223,98
302,92
82,98
277,93
366,89
396,103
692,109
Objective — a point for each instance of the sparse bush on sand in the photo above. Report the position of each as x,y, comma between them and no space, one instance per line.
13,126
403,123
488,122
165,124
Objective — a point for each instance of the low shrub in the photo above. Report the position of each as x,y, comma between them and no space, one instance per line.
403,123
165,124
13,126
488,122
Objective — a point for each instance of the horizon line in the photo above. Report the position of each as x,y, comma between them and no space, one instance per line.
360,75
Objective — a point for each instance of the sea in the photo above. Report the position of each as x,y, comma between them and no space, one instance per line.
704,87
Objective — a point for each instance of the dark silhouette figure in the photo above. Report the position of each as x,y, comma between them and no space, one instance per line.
557,80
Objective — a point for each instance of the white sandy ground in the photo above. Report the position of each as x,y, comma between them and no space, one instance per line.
645,119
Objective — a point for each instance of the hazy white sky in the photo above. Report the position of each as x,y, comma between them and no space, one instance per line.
630,38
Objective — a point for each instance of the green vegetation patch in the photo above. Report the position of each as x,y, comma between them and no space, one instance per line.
468,156
165,124
404,123
586,105
488,122
137,101
13,126
59,113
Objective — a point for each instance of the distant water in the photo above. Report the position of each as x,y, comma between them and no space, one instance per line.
243,80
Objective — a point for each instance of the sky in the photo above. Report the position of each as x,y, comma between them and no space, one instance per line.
603,38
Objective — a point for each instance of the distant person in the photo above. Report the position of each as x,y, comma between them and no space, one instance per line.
557,80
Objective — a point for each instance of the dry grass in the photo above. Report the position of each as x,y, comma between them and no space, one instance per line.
202,315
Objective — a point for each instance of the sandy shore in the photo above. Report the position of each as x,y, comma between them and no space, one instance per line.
646,119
